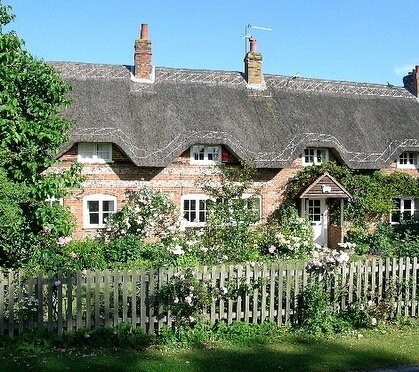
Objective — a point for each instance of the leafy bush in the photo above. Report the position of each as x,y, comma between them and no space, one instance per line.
54,254
147,213
185,297
290,236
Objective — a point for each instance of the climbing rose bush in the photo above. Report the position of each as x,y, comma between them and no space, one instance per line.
147,214
185,296
326,260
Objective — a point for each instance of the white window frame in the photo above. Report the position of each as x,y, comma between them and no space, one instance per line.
93,152
402,211
100,198
205,154
320,155
197,198
408,160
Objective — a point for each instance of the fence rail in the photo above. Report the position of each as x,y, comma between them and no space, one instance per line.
62,302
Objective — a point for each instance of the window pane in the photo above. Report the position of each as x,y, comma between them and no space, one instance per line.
104,151
407,205
108,206
94,218
93,206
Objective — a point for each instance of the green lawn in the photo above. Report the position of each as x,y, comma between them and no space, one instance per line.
376,348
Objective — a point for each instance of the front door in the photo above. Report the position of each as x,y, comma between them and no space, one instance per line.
316,211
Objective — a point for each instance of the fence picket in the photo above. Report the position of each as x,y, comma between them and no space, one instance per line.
280,293
98,276
88,299
69,302
272,276
11,324
49,287
143,301
2,300
288,295
222,283
230,300
239,315
106,298
414,286
407,303
79,316
255,293
58,286
20,302
134,278
247,294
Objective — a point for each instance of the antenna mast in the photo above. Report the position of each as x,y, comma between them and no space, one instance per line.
247,36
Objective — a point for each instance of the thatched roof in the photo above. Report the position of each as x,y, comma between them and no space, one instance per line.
367,125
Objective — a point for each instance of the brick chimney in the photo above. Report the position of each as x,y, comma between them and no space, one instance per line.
144,71
253,67
411,81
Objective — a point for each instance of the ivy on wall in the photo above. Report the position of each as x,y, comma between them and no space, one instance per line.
372,191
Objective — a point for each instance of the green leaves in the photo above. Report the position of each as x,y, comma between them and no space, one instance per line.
32,130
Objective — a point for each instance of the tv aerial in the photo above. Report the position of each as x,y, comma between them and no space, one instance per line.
247,35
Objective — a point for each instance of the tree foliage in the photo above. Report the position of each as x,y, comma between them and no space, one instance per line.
32,129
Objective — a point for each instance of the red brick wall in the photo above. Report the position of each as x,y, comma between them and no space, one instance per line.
177,179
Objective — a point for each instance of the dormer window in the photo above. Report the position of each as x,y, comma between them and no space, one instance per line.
205,154
94,152
408,160
315,156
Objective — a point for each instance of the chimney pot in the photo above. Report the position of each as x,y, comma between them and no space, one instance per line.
144,31
252,42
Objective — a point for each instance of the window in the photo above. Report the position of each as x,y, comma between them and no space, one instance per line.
97,209
408,160
254,204
95,152
205,154
194,209
315,156
405,209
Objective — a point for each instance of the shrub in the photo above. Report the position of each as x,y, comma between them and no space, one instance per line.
147,213
185,297
290,236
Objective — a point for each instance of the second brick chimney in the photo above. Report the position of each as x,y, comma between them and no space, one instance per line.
411,81
144,71
253,67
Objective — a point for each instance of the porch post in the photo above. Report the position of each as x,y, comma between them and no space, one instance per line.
341,220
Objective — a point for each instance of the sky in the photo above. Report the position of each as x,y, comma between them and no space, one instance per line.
373,41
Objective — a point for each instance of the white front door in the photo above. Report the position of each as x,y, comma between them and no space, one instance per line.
316,211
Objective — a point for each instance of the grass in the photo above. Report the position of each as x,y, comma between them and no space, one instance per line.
384,347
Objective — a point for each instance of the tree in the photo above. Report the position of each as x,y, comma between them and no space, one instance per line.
32,129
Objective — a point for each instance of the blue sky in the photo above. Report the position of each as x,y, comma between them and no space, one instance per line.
354,40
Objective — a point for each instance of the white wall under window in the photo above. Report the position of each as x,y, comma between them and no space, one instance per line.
97,209
94,152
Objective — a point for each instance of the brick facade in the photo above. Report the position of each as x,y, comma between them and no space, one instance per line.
178,179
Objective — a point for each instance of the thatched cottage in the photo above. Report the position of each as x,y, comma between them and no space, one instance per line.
165,127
